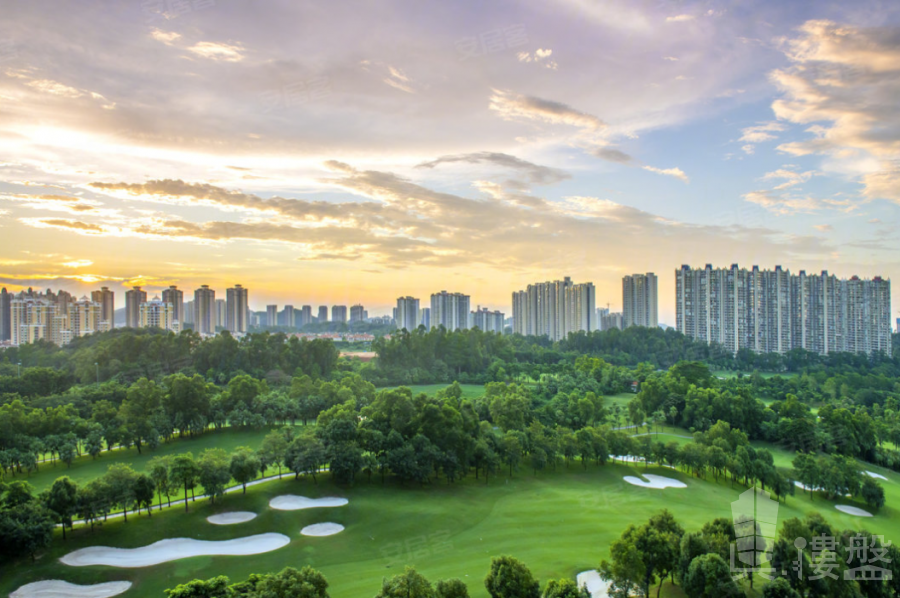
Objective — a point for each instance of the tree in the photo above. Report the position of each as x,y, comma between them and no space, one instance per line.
18,493
119,480
872,493
244,466
305,454
692,545
640,557
292,583
510,578
62,501
408,584
25,529
216,587
451,588
564,588
143,492
158,468
213,472
273,449
780,588
184,471
710,577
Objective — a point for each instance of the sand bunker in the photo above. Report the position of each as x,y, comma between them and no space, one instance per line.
231,518
852,511
655,481
594,584
322,529
877,476
173,550
62,589
289,502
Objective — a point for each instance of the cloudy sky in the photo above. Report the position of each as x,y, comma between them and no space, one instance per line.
343,152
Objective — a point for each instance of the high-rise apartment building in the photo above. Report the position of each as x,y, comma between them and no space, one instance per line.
323,314
205,310
425,317
450,310
86,317
640,303
31,319
175,297
237,309
339,313
107,301
555,309
305,316
133,300
189,311
610,320
287,317
221,313
157,313
271,315
357,313
773,311
487,320
5,315
407,313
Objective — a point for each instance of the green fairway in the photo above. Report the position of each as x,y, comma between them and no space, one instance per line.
85,469
734,374
558,523
469,391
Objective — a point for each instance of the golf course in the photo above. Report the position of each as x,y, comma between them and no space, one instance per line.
558,522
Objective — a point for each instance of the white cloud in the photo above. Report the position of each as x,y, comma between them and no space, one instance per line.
511,105
679,18
823,227
218,51
674,172
167,37
789,177
843,85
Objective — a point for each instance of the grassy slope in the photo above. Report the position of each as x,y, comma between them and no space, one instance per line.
470,391
85,468
558,523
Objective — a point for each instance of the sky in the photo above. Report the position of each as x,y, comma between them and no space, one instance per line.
342,152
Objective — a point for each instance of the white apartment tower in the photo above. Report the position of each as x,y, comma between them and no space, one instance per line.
773,311
450,310
157,313
640,302
555,309
407,313
205,310
236,307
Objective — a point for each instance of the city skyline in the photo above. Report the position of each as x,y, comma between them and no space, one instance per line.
408,159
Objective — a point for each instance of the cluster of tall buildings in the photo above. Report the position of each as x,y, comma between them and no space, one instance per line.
762,310
555,309
450,310
59,317
774,311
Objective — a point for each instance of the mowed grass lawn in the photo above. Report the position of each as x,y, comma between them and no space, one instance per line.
469,391
558,523
85,468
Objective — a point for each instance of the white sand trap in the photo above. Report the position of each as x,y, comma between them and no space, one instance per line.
594,584
655,481
322,529
877,476
807,488
289,502
173,550
62,589
231,518
852,511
